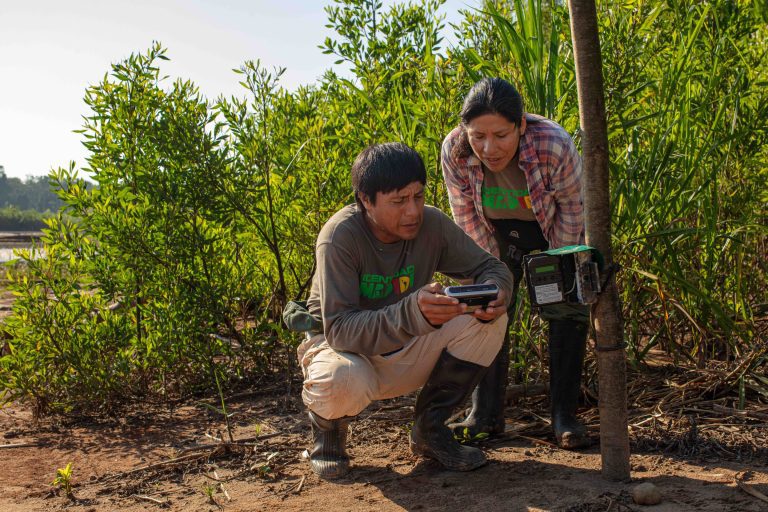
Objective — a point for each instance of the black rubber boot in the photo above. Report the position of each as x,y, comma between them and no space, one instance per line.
488,399
567,342
329,458
448,385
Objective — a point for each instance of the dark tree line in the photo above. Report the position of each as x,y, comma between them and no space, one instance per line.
31,193
24,204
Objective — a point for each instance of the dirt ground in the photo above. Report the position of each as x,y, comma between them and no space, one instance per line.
158,459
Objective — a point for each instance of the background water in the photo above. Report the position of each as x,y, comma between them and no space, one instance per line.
6,253
14,241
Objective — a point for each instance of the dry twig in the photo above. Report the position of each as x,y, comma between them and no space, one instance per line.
739,478
301,484
221,486
738,412
19,445
149,498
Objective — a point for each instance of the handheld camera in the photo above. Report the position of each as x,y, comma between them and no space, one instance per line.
473,295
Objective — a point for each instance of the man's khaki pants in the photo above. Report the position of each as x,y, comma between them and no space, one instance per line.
338,384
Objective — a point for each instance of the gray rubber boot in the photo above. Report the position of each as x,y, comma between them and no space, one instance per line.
328,457
448,385
488,399
567,342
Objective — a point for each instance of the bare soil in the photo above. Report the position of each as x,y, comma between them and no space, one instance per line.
158,459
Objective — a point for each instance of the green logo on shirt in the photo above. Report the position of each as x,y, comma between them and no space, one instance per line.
375,286
508,199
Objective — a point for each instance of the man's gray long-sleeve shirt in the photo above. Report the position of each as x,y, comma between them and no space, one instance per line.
365,290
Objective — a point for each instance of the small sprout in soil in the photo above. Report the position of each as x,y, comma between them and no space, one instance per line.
63,480
465,437
264,471
209,490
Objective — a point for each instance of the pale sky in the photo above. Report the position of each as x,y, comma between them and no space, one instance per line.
51,50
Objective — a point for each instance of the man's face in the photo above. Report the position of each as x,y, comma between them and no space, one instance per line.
397,215
494,140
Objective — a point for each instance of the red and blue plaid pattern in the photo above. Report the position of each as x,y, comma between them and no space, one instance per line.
552,168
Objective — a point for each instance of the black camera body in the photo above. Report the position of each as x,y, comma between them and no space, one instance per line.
566,275
473,295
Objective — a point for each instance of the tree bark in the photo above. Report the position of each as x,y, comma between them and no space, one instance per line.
606,314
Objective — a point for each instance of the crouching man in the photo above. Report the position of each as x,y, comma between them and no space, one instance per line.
387,328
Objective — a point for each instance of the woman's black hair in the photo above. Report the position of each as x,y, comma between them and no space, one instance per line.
493,96
488,96
384,168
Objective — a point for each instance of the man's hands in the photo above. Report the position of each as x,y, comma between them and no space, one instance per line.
439,309
494,309
436,307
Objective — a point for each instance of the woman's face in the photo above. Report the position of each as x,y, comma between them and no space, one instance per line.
494,140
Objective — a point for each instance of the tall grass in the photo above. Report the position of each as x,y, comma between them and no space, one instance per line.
689,219
688,160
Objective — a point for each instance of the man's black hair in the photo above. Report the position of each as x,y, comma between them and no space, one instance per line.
384,168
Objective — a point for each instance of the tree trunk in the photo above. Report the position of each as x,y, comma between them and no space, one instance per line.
606,314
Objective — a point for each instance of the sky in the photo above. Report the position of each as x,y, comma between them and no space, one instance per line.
51,50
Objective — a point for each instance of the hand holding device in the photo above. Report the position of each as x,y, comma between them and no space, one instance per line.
437,307
475,296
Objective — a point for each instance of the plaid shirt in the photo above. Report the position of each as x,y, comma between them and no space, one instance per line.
552,168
